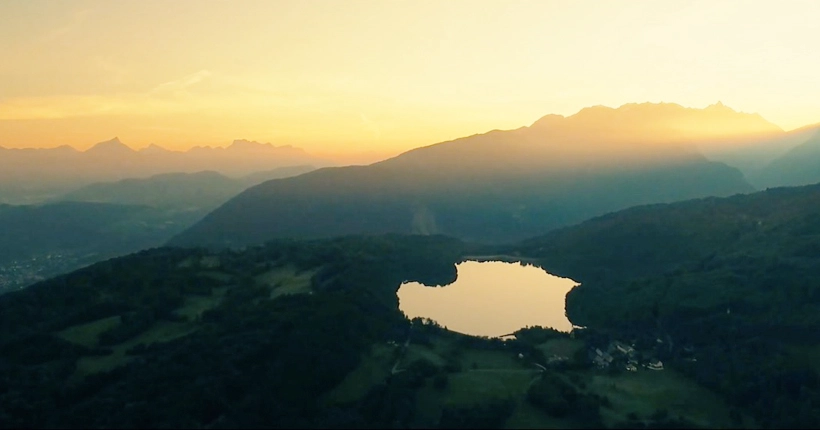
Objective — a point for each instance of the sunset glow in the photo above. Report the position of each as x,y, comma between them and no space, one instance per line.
377,78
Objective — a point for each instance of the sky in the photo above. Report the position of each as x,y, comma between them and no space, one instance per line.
380,77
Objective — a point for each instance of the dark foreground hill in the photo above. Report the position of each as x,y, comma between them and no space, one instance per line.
500,186
734,278
308,333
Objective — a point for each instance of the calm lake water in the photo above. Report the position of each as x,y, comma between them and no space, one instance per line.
491,298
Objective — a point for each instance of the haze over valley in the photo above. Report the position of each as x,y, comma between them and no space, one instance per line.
409,214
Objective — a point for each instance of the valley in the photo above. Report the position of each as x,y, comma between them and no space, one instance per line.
320,321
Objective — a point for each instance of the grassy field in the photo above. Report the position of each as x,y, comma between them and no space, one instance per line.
194,306
488,374
283,280
86,334
219,276
420,352
646,391
161,332
561,347
471,387
286,280
374,369
477,385
527,416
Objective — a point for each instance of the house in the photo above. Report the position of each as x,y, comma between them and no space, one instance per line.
623,348
655,365
602,359
556,359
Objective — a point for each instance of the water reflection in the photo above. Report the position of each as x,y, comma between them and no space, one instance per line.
491,299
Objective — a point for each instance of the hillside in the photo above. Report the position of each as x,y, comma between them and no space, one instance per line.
733,278
201,191
751,237
308,333
37,242
499,186
297,335
798,166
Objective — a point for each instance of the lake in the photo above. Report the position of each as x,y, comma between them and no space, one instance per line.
491,298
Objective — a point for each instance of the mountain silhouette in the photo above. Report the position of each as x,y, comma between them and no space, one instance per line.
190,191
501,185
37,175
800,165
113,146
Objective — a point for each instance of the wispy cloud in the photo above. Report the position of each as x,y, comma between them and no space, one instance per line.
199,91
179,86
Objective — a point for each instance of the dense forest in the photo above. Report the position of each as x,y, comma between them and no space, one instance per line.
179,338
309,333
735,278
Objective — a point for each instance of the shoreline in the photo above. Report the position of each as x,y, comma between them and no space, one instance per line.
504,258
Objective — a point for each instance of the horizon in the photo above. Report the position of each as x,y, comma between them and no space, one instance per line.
349,79
373,156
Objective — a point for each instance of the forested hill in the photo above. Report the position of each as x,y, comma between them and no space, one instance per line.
736,277
187,338
749,246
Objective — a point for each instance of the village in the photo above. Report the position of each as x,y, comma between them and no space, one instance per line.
617,355
16,275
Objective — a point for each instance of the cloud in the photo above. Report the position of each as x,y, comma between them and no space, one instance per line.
202,91
180,86
57,107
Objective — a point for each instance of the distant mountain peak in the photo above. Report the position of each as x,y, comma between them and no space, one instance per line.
252,145
719,106
248,144
65,148
109,146
153,149
548,120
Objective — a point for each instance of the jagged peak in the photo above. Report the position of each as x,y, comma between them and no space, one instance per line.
247,144
111,145
548,120
154,148
243,144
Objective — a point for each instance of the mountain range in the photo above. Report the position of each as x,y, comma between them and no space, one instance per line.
36,175
799,165
502,185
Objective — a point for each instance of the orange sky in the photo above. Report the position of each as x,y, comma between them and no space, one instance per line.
376,76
